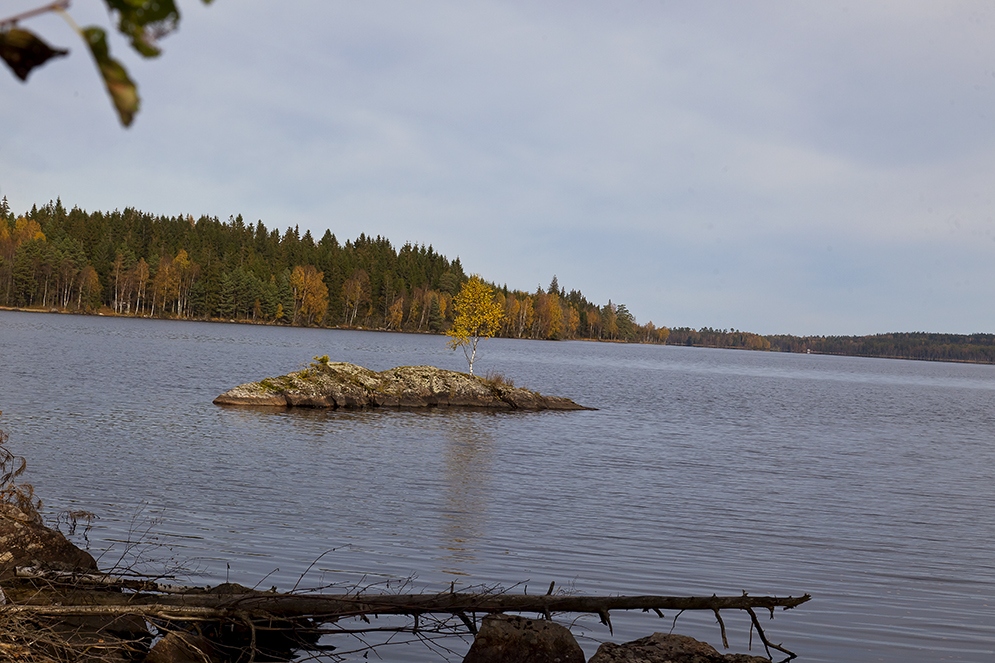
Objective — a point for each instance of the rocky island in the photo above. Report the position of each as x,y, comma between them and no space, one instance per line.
340,385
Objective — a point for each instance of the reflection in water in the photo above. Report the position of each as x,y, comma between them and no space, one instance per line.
390,468
467,460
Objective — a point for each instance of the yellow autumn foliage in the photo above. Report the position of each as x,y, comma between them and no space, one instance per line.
477,316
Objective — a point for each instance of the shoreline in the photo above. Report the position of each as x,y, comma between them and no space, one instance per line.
105,312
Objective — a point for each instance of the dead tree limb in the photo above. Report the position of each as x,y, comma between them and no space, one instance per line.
330,606
722,627
92,595
104,580
763,636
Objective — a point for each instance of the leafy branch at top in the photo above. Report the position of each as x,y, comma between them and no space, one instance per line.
143,22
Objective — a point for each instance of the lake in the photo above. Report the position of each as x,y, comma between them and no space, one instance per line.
867,483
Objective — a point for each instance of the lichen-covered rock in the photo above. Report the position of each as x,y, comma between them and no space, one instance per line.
26,542
667,648
343,385
516,639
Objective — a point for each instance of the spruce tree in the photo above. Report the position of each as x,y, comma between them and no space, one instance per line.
435,320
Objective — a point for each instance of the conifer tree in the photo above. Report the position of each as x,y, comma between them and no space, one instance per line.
435,319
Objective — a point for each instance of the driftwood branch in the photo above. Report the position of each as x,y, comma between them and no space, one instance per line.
331,606
104,580
93,595
763,636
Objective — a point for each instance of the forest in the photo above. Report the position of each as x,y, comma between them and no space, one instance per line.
974,348
134,263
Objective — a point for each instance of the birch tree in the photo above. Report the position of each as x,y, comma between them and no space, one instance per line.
477,316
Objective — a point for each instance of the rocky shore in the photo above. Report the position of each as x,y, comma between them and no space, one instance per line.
56,606
339,385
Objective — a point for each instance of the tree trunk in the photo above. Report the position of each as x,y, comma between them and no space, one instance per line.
95,595
198,603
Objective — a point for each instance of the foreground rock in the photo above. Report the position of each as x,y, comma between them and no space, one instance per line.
24,541
667,648
183,648
340,385
516,639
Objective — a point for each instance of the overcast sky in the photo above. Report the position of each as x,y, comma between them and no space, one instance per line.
777,167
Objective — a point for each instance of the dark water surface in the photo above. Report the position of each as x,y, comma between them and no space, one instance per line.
867,483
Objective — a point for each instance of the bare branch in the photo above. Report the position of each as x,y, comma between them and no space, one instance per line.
51,7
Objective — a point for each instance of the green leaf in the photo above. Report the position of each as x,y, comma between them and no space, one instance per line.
145,22
23,51
122,89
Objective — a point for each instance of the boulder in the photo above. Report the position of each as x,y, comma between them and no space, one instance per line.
24,541
667,648
516,639
342,385
183,648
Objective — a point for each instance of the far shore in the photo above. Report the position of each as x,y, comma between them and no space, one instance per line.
805,342
107,312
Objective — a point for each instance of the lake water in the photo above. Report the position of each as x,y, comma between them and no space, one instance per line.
867,483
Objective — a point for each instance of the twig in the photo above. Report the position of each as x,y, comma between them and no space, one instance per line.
310,566
674,625
252,631
722,628
606,620
51,7
763,637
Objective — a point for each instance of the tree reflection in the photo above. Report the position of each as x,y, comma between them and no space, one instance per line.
467,458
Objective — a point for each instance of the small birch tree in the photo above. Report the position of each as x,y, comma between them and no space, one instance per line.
477,316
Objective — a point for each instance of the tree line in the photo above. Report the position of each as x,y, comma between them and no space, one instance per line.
718,338
135,263
976,348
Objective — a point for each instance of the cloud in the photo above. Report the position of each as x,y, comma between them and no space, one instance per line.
800,168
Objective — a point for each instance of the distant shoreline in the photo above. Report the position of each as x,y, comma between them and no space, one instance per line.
948,344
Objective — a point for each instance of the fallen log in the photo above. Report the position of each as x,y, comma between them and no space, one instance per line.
91,595
335,606
80,579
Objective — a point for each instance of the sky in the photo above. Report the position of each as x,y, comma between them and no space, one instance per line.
806,168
